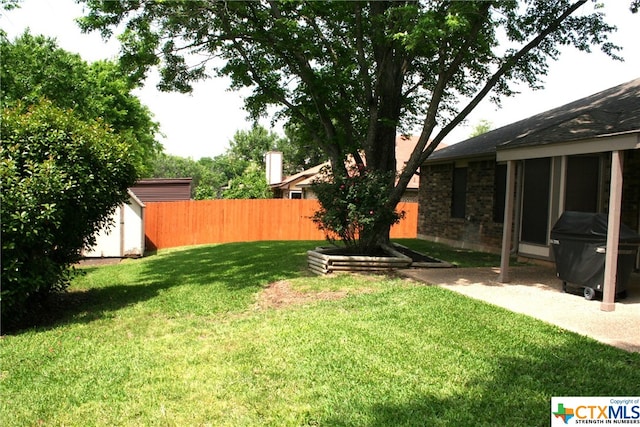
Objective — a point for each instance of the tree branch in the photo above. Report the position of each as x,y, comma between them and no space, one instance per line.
508,64
420,154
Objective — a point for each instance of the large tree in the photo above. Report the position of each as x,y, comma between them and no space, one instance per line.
354,74
299,152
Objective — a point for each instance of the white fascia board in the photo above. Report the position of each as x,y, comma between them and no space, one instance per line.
601,144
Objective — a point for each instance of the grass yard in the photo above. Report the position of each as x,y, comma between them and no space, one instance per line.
194,337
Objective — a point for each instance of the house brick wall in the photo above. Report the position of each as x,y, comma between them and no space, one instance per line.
477,230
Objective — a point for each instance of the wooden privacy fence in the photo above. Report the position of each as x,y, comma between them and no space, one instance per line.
195,222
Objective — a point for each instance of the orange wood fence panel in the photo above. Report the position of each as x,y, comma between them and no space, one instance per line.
195,222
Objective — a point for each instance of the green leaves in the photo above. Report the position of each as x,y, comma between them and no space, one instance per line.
33,67
353,75
252,184
60,179
353,207
241,166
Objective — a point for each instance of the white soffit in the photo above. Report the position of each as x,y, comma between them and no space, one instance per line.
601,144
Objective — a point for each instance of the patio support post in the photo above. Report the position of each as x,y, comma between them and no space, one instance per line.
507,222
613,233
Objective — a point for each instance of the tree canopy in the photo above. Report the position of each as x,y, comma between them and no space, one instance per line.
241,167
483,126
353,75
34,67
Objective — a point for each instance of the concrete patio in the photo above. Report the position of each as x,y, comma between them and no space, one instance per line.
537,292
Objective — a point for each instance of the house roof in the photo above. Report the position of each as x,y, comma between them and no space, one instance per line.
404,148
612,111
135,198
405,144
300,177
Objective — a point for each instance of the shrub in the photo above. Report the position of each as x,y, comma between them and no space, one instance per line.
354,207
61,179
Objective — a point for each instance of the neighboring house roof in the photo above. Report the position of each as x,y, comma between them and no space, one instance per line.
404,148
612,111
301,177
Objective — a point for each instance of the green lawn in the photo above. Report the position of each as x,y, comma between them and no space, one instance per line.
179,338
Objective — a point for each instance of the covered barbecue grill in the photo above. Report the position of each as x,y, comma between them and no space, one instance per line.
579,241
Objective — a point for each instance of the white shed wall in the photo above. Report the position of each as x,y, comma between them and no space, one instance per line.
134,230
125,237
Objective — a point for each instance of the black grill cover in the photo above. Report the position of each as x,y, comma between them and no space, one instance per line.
591,227
579,245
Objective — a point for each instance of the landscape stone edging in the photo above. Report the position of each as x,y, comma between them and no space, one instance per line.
423,264
323,260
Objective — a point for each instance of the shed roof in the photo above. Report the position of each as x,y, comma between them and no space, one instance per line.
162,189
612,111
135,198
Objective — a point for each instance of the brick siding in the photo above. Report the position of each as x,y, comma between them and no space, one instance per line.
477,229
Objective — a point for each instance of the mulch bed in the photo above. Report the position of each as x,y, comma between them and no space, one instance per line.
415,256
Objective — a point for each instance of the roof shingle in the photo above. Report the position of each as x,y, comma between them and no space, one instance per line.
611,111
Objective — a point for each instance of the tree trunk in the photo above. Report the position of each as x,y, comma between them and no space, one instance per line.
380,148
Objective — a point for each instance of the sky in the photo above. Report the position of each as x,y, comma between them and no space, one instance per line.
203,123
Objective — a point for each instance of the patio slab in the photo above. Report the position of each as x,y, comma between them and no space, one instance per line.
537,292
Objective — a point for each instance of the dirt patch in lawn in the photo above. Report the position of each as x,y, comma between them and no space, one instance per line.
90,262
280,294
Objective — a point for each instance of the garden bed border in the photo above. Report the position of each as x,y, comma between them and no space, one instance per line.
325,260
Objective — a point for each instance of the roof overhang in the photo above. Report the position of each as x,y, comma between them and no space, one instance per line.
454,159
600,144
135,198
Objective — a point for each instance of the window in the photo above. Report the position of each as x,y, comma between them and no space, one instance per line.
535,200
459,193
295,194
499,192
583,177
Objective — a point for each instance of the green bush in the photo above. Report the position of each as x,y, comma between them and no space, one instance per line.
354,207
61,179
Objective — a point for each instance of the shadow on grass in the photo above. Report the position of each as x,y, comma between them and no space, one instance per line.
236,265
230,273
517,393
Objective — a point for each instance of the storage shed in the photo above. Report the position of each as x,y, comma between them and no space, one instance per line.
125,238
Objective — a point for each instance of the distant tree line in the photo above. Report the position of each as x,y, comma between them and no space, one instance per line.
239,173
